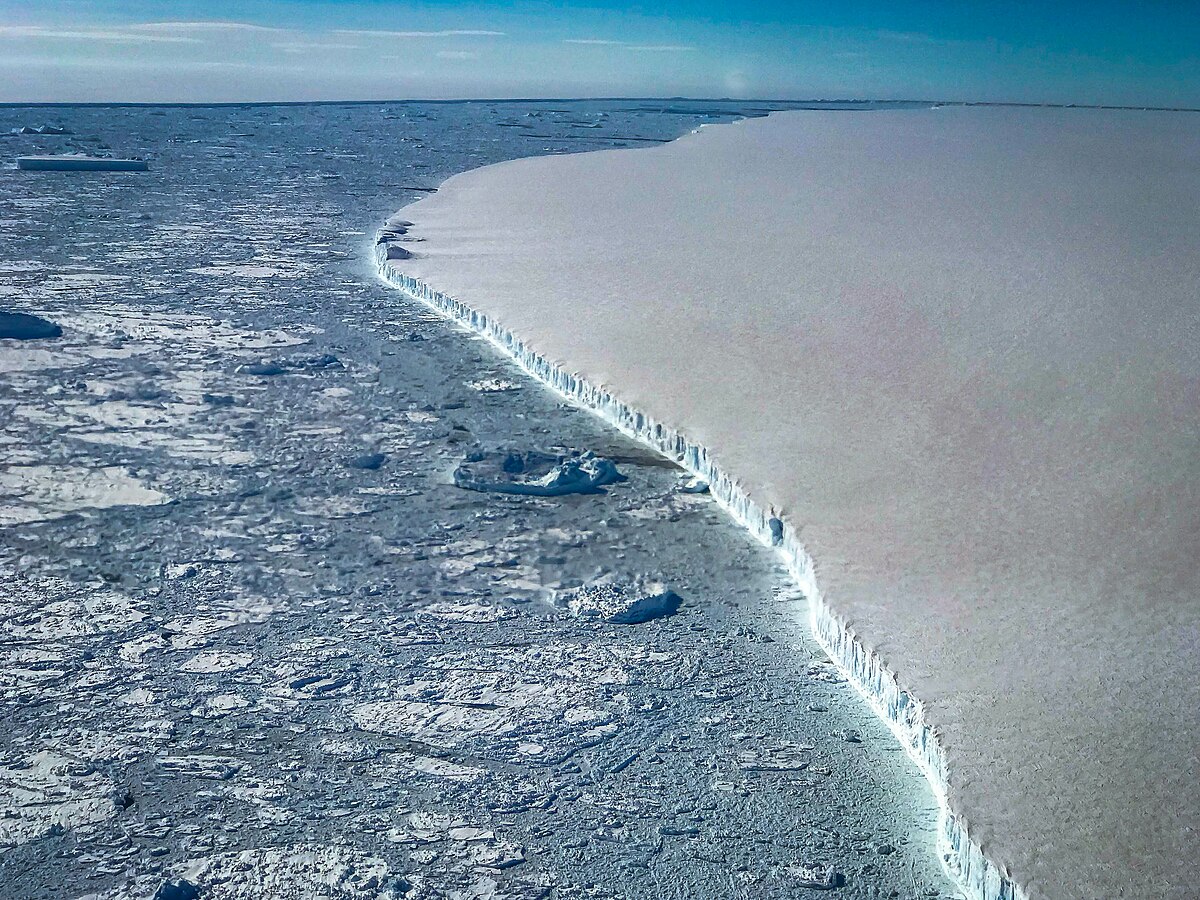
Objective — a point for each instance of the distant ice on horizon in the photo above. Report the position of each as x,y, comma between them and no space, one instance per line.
959,350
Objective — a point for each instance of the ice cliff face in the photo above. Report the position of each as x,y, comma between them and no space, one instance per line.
978,876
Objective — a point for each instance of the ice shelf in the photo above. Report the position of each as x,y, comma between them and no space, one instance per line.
949,355
975,873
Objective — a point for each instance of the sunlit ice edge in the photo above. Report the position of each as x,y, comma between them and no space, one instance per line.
964,860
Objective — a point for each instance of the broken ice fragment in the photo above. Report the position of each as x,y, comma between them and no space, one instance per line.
367,461
493,385
820,877
622,604
24,327
43,130
323,361
538,474
77,162
177,890
776,526
265,369
499,857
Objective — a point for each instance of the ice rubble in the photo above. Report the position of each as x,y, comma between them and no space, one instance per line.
40,129
621,603
535,474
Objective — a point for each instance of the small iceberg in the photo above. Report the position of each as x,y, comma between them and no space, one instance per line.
621,603
368,461
819,877
534,473
24,327
77,162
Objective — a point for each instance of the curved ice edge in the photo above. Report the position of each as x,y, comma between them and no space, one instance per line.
977,876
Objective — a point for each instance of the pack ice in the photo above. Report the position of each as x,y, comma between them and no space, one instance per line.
948,360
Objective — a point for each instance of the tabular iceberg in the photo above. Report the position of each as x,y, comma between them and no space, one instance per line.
950,356
74,162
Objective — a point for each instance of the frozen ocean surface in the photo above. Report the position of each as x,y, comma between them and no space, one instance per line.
956,351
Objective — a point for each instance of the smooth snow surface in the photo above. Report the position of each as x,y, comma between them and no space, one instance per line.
957,352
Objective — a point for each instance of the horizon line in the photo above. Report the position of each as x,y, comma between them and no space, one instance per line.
194,104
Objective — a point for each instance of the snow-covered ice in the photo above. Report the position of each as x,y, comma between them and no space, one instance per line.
954,354
37,493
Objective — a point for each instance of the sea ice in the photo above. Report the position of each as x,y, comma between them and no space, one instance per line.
30,493
50,791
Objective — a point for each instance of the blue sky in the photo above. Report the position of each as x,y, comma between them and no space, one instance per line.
161,50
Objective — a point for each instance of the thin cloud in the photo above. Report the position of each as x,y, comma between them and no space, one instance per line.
247,27
456,32
302,47
111,35
908,37
626,45
456,54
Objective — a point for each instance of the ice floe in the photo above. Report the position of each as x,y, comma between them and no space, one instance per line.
39,493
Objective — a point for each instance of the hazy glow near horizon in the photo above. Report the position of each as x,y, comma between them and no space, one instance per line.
187,50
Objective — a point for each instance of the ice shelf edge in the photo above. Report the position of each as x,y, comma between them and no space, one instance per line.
977,876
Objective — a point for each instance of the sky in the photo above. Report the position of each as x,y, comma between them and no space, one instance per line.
1058,51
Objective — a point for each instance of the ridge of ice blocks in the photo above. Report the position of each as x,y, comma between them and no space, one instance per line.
621,603
39,129
535,473
950,356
